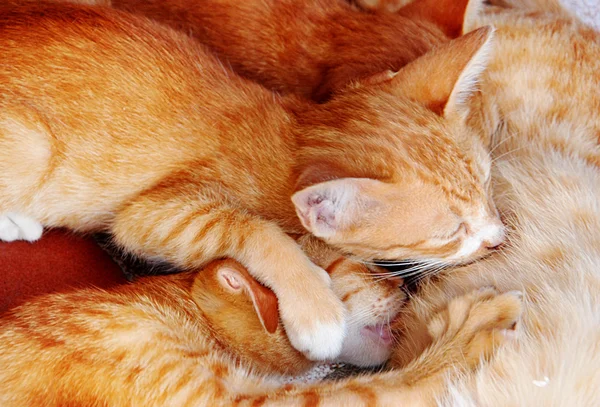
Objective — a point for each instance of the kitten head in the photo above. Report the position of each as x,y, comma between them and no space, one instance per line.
398,174
371,302
448,15
244,317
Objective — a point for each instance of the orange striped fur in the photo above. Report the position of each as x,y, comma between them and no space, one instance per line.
194,339
112,122
309,48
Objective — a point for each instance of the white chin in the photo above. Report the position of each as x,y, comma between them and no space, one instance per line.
363,352
468,247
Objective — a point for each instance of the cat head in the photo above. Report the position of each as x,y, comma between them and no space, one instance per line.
448,15
244,317
393,170
371,302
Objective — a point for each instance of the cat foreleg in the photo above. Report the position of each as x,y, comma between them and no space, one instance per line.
191,230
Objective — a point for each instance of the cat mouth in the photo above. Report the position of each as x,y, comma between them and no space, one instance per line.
380,333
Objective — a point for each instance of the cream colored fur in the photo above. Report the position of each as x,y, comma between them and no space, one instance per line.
542,100
588,11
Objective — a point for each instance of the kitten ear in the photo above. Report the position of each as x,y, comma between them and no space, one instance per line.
445,78
472,18
448,15
236,279
329,207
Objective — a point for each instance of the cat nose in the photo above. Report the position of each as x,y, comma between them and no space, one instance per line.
491,245
495,239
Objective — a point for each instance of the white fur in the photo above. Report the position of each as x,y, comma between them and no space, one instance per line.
468,80
14,226
487,234
323,342
587,10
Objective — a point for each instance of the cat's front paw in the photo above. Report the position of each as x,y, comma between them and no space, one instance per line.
315,321
476,324
14,226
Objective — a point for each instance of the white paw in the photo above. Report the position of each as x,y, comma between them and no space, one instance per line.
323,342
318,329
14,226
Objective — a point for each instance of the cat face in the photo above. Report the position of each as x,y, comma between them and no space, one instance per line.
244,316
372,304
429,199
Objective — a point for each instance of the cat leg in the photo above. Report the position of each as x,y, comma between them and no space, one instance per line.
14,226
189,230
464,334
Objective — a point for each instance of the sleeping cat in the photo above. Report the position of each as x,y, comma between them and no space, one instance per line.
540,99
309,48
197,338
112,122
220,317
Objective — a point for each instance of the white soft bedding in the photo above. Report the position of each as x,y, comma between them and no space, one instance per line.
587,10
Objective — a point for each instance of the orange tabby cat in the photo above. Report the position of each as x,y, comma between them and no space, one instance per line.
204,338
112,122
309,48
220,317
540,101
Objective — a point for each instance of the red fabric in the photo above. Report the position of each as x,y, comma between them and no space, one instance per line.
59,261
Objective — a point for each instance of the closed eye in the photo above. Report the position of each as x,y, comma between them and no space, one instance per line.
462,227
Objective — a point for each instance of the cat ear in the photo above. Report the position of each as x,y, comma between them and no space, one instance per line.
445,78
472,18
236,279
448,15
329,207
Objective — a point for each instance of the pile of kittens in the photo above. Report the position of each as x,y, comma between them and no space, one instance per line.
281,151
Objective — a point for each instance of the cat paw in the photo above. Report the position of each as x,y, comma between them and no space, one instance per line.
14,226
320,341
315,322
476,324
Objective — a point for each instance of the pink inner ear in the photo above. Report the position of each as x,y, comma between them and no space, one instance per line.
316,212
324,214
230,280
235,277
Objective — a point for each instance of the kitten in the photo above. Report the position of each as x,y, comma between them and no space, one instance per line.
309,48
111,122
540,101
196,338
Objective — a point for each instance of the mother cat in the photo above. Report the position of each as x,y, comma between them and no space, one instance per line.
541,101
112,122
